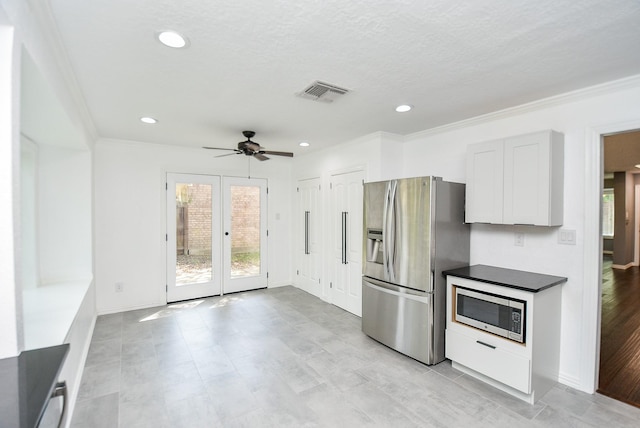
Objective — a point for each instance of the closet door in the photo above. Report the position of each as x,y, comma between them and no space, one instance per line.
346,234
308,236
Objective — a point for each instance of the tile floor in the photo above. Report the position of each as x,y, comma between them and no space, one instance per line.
283,358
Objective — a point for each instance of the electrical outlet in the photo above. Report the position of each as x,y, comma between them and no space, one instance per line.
518,239
119,286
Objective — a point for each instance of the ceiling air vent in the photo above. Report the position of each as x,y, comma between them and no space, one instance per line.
321,91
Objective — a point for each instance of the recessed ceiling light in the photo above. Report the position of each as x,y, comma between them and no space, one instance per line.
403,108
148,120
304,144
172,39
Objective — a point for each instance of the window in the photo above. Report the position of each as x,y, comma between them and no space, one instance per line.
607,213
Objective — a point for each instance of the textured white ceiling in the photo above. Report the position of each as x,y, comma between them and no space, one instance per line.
248,58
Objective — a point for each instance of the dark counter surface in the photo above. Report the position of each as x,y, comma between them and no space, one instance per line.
518,279
28,381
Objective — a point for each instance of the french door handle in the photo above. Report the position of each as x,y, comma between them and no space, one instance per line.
306,232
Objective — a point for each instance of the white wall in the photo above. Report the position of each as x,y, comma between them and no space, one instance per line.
130,212
442,152
10,294
64,203
379,154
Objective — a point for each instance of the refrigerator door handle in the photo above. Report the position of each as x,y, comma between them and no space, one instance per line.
306,232
389,235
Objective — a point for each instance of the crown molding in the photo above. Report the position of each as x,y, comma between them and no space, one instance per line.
567,97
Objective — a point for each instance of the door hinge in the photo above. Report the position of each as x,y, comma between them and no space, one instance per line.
330,185
166,186
267,190
297,189
267,274
297,272
166,237
267,232
167,287
318,280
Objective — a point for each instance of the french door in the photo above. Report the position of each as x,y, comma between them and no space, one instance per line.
193,236
245,234
216,235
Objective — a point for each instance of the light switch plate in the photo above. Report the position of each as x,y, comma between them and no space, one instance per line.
567,236
518,239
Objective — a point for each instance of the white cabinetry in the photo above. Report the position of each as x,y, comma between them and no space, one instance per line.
516,180
526,370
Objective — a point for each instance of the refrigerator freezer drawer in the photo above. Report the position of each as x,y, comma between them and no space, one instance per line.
399,318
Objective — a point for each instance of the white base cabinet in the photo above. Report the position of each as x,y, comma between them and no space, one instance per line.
525,370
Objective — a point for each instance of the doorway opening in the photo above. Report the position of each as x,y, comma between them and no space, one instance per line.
619,363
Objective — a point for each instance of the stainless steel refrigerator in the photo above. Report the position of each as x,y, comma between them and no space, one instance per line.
413,230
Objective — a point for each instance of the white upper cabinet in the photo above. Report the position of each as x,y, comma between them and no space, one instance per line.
516,180
484,189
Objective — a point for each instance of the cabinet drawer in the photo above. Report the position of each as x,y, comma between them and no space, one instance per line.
505,367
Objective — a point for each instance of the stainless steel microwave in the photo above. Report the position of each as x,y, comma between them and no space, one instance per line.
495,314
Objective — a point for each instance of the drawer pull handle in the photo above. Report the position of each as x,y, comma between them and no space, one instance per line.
486,344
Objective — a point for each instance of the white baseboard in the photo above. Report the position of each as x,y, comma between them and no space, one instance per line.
571,381
279,284
623,267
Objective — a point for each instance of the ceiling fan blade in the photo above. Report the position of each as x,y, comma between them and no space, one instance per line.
260,157
216,148
228,154
269,152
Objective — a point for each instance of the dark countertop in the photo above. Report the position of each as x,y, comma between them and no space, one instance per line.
518,279
27,383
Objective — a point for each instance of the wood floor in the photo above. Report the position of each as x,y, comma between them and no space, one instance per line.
620,334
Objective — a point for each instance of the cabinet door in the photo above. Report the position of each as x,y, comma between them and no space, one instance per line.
484,189
531,179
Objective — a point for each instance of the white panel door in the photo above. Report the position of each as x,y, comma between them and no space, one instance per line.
346,236
193,236
308,236
245,234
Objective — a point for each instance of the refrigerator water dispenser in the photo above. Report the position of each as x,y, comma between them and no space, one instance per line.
374,245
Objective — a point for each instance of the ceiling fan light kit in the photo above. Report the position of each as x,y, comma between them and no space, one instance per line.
251,148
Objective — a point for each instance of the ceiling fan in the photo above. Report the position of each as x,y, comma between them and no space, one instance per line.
250,148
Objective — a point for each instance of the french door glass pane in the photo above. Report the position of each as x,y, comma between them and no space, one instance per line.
193,233
245,231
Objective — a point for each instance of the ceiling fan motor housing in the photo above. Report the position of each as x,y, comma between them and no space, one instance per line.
248,147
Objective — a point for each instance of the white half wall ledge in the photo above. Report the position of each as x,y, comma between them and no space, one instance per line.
50,310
